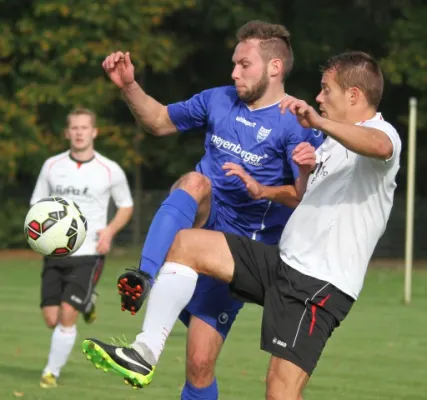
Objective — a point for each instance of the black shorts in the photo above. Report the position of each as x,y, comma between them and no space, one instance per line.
70,280
300,312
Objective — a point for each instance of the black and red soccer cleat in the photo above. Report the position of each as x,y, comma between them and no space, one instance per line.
134,286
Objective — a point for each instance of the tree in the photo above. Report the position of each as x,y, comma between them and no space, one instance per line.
406,67
407,59
50,62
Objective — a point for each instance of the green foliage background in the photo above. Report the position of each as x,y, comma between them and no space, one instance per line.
51,53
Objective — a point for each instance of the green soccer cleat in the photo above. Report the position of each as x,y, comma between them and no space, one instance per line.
124,361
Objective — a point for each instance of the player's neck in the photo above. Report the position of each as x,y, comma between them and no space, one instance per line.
269,98
361,115
82,155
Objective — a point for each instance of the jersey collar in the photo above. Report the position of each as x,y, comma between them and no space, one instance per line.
268,106
79,161
376,117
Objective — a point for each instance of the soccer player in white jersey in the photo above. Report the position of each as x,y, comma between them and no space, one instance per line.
90,180
308,284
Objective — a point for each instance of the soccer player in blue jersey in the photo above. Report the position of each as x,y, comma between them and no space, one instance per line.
242,185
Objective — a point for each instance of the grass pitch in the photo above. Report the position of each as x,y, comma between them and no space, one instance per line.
378,353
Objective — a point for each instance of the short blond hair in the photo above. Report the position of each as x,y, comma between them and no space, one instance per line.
82,111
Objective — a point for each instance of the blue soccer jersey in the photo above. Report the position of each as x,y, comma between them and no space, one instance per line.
260,140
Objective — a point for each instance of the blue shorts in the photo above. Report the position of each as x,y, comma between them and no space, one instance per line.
212,301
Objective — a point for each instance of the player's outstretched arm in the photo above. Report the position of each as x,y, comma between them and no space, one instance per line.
148,112
368,142
286,194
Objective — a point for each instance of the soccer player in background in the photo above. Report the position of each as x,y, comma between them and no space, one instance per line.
307,284
90,180
240,186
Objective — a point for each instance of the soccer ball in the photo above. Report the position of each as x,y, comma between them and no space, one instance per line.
55,227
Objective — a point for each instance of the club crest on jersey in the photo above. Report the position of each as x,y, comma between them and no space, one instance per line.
262,134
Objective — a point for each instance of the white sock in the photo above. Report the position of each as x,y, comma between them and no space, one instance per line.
171,292
62,343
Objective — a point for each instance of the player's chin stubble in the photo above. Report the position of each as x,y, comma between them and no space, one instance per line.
258,90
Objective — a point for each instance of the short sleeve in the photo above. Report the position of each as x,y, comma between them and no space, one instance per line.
191,113
120,191
391,132
296,134
42,188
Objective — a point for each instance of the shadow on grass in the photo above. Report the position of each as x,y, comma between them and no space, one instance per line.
21,372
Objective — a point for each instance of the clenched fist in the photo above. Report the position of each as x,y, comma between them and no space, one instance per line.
304,155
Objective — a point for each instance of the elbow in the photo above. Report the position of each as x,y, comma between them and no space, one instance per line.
163,125
162,132
126,214
160,128
156,129
298,199
295,202
385,150
153,130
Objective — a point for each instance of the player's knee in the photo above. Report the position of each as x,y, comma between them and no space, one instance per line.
51,321
279,388
196,184
284,394
200,369
68,315
50,316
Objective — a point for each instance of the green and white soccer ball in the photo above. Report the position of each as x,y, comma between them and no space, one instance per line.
55,227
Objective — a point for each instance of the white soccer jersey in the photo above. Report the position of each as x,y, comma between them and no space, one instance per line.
333,232
90,185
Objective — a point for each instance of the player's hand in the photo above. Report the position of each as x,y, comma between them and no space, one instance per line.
307,116
254,188
304,156
105,238
119,68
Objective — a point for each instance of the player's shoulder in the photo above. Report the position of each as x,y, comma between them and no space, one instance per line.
290,128
107,162
288,122
378,122
228,92
286,119
104,159
65,155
